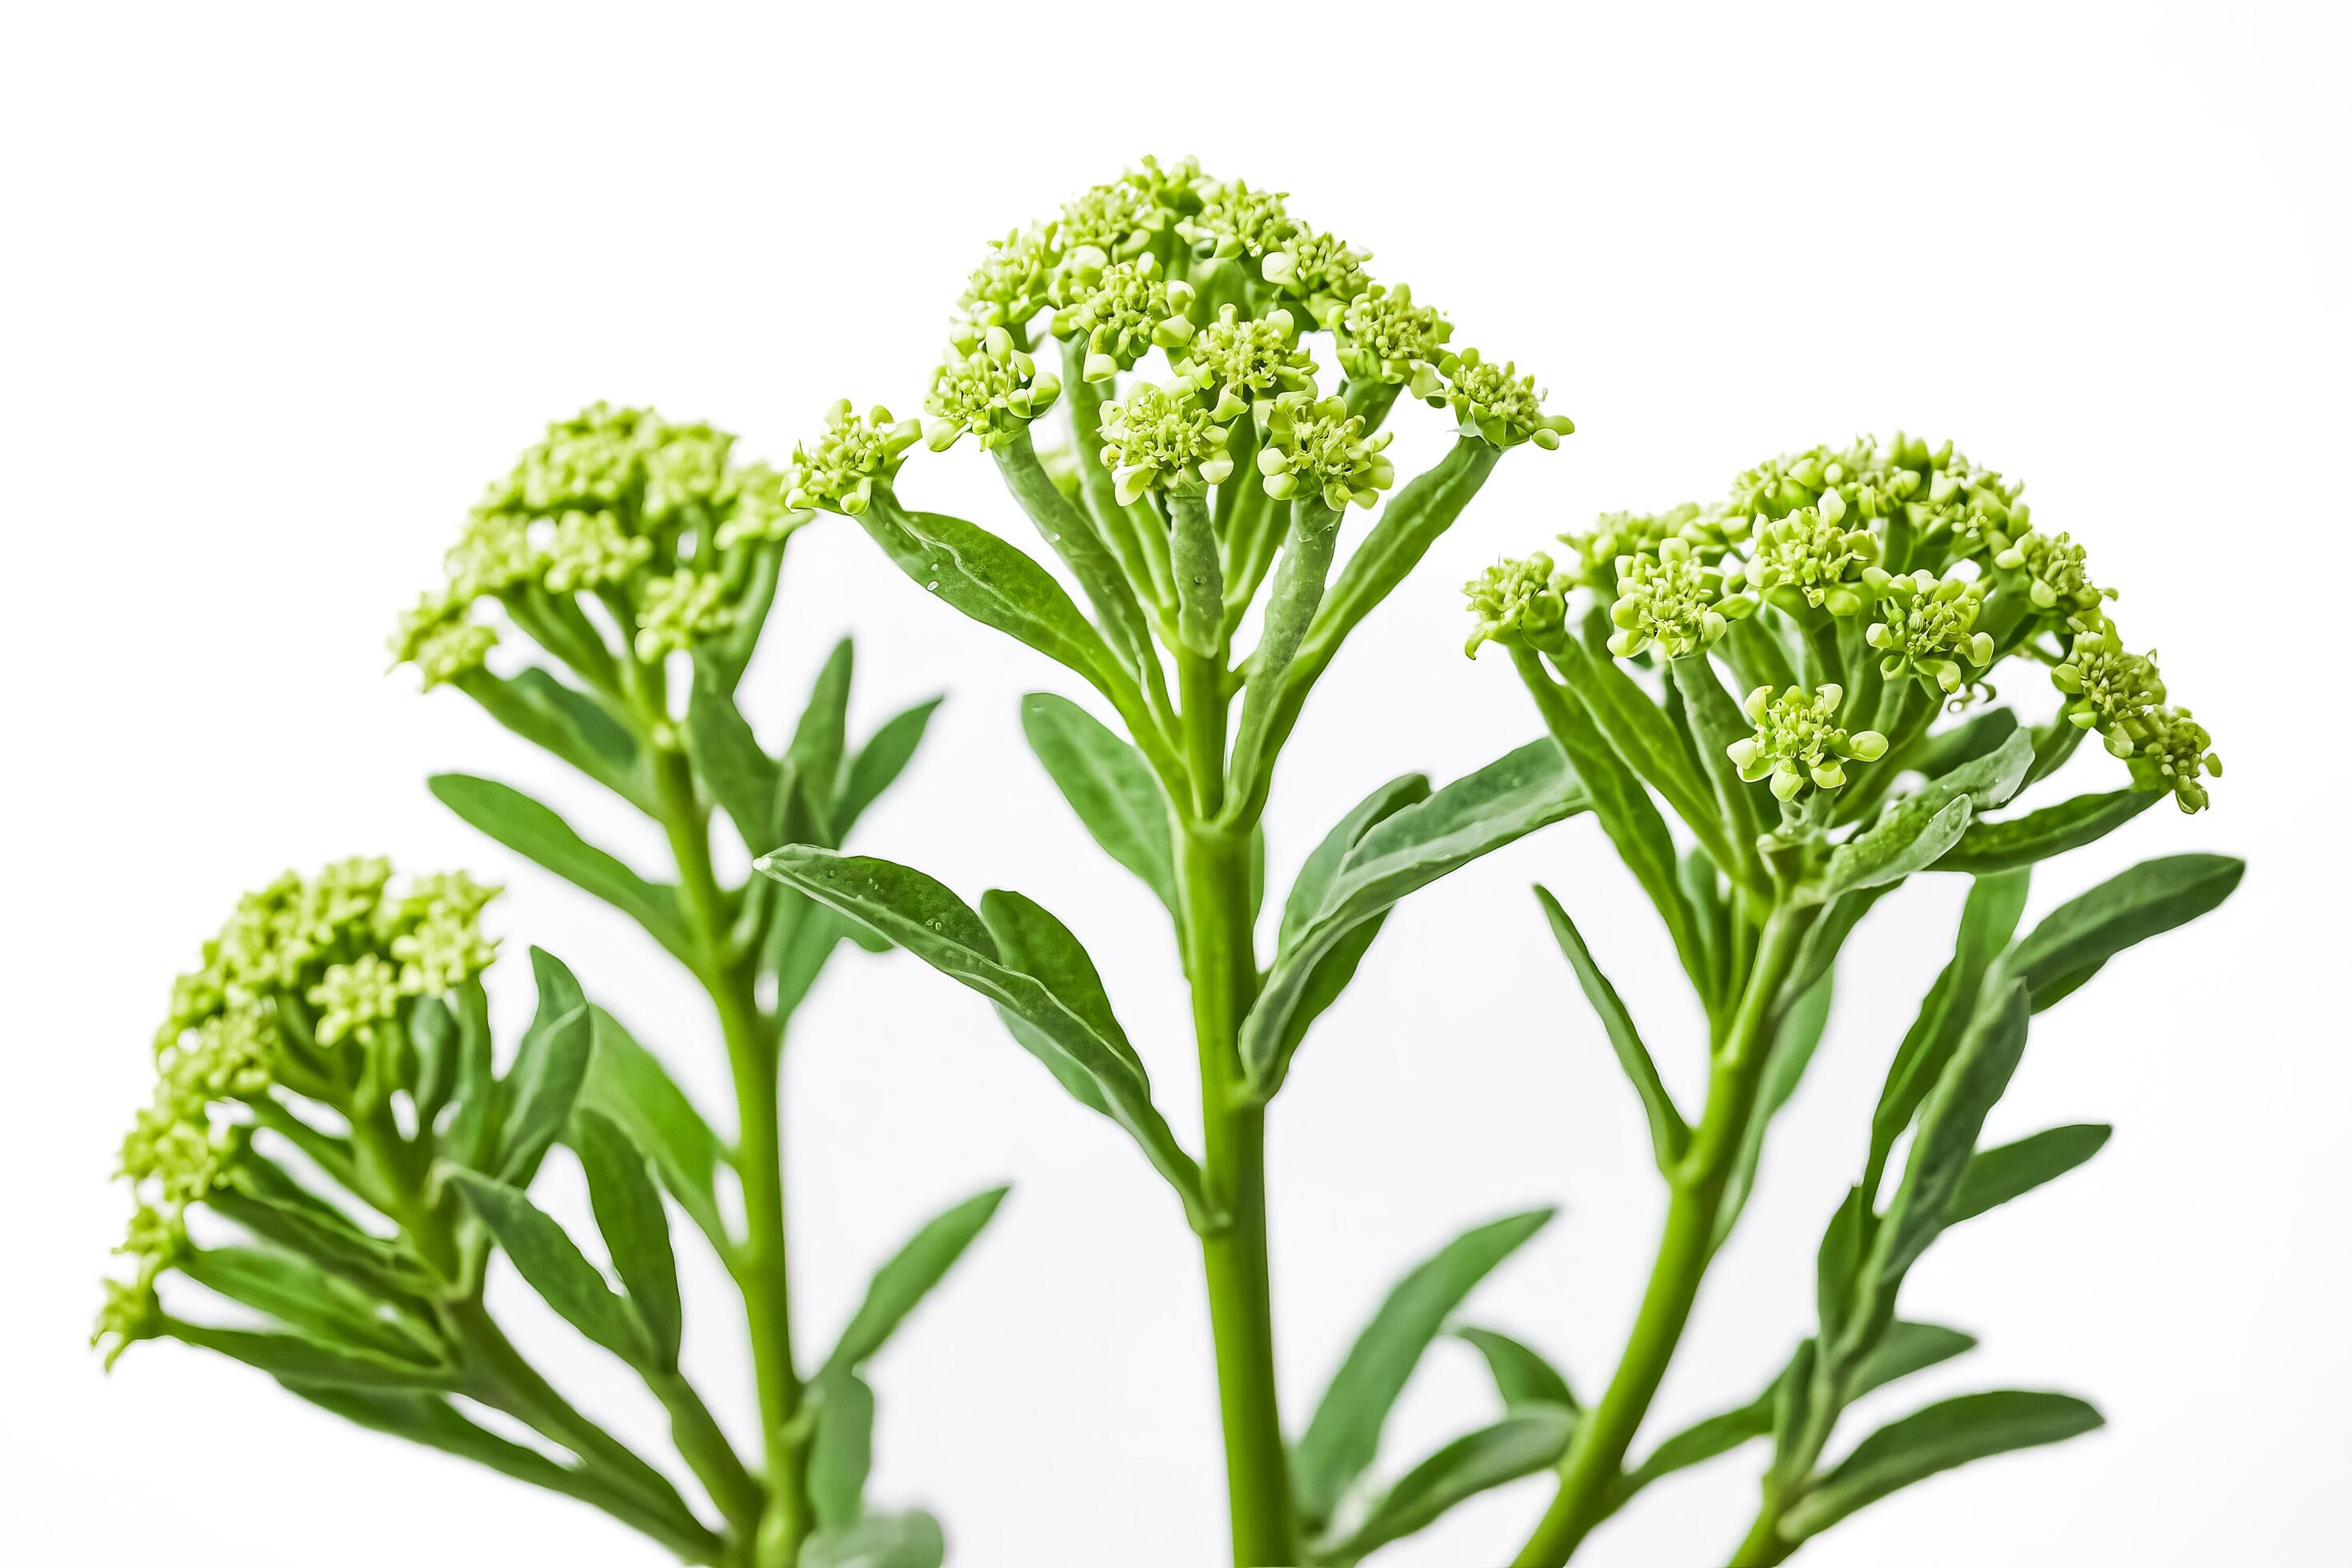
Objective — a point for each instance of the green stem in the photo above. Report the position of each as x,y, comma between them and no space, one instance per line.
1763,1546
760,1264
702,1442
1596,1456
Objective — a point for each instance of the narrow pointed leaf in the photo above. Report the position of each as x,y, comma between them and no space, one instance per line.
430,1420
1695,1445
552,1265
568,724
909,1275
302,1359
813,760
1344,1436
1669,1134
880,762
539,835
1518,1444
2039,835
746,782
627,1083
909,1540
1915,831
1108,785
1939,1438
1904,1348
2150,899
1323,862
1521,1376
308,1299
550,1066
841,1449
636,1228
1996,1175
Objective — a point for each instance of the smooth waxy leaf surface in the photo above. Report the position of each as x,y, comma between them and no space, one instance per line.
1939,1438
554,1265
1994,1177
2039,835
1669,1134
537,834
2152,898
636,1228
903,1281
1917,831
1518,1444
627,1083
1108,784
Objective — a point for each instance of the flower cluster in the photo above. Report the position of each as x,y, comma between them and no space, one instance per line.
1926,627
1249,363
837,472
1809,553
1158,438
1496,402
1121,311
1797,742
1521,602
610,503
1319,448
988,388
1385,337
1669,598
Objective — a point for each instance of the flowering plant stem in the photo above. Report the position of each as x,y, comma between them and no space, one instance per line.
1596,1456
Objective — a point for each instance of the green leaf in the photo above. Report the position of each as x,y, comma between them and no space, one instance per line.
327,1239
1988,921
1904,1348
302,1359
1996,1175
1414,519
1669,1134
1504,801
554,1267
627,1083
2039,835
537,834
1518,1444
430,1420
1794,1039
2150,899
1323,863
1344,1436
841,1449
1064,1015
1915,831
570,724
908,1277
1637,729
1521,1376
1697,1444
1108,784
1963,743
728,758
1939,1438
880,762
312,1301
635,1228
550,1066
813,763
909,1540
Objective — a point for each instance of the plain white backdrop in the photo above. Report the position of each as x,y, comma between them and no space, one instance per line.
281,288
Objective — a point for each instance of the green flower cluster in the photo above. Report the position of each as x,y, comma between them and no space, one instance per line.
612,502
839,470
987,389
1162,438
1797,742
1496,402
1319,448
1668,597
1521,602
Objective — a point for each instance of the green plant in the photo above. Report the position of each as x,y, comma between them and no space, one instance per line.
349,1024
1173,495
1856,595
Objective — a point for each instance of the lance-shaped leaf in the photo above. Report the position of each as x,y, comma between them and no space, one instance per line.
430,1420
550,1066
1344,1436
1067,1026
1521,1376
1638,730
1108,784
301,1358
909,1275
1669,1134
535,832
1794,1039
1322,865
908,1540
1980,736
568,722
1915,831
742,777
635,1228
1939,1438
1072,535
552,1265
2039,835
841,1448
1500,803
2150,899
880,762
310,1300
813,760
1996,1175
1518,1444
627,1083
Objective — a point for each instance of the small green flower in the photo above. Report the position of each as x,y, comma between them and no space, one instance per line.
494,556
132,1312
839,472
1010,286
1162,439
1808,554
689,474
1669,597
679,610
1235,221
2054,571
440,641
1248,363
1384,336
1321,272
988,388
351,997
1928,627
760,510
1797,741
1117,220
1319,448
1495,403
2110,687
2171,751
1519,604
590,551
1121,311
593,461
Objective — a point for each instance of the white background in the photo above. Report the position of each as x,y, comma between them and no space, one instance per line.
282,288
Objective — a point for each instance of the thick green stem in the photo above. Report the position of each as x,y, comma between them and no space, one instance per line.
1763,1546
1214,873
1596,1457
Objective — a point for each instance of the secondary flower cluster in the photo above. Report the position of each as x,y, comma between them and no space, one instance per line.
654,521
311,985
1897,576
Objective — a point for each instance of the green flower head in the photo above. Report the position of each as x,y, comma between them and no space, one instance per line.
680,610
1162,439
1926,627
2054,571
839,473
759,510
2170,750
1495,403
1669,597
590,552
1519,604
1320,272
986,387
1121,311
1235,221
1248,363
493,557
1319,448
1012,283
1120,219
1385,337
1798,743
2108,687
1809,555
